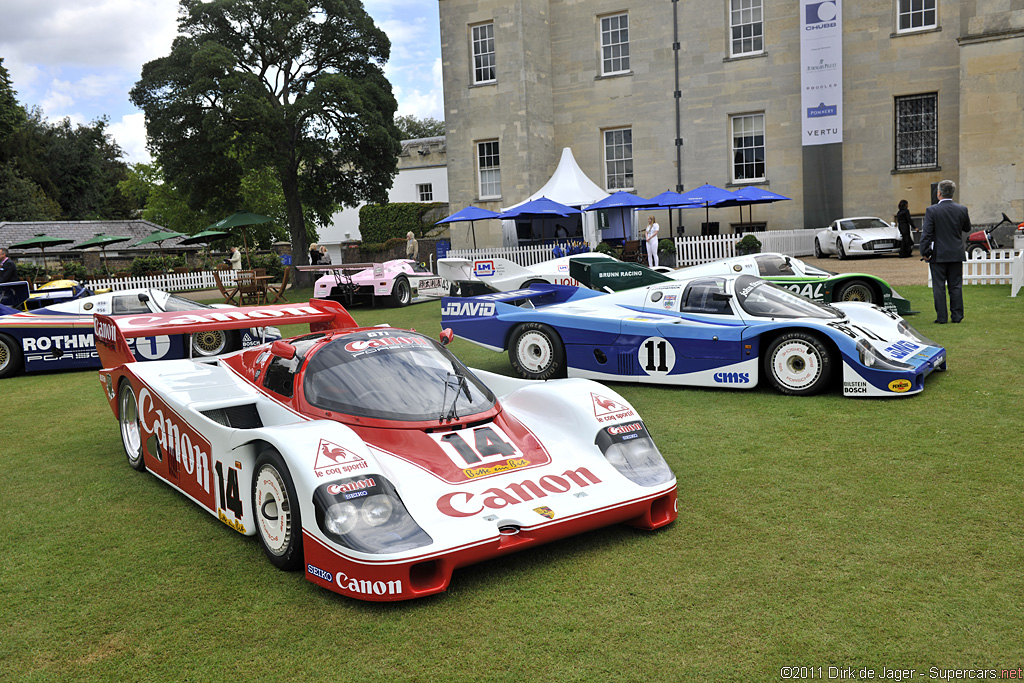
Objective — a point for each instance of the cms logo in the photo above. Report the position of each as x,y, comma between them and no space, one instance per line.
820,15
483,268
732,377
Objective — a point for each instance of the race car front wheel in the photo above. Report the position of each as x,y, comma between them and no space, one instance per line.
537,352
401,293
10,356
855,290
798,364
276,508
131,432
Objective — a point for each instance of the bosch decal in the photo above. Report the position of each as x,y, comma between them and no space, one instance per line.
855,387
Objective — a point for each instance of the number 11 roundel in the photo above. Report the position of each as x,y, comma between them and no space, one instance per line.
656,356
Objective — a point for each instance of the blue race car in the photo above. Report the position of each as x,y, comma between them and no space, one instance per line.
708,331
60,337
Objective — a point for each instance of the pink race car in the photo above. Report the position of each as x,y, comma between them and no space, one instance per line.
400,282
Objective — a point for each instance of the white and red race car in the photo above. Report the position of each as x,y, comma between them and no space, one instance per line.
398,283
371,457
480,276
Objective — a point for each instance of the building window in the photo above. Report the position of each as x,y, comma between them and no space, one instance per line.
426,192
746,22
917,131
483,54
915,15
489,168
615,44
748,147
618,159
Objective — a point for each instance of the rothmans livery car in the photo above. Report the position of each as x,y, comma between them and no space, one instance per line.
479,276
371,458
398,283
857,236
60,337
715,331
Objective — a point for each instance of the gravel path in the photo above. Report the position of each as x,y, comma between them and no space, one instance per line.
891,268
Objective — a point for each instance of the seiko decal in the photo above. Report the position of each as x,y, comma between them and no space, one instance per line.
320,573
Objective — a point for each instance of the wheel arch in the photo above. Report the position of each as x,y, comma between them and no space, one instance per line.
765,340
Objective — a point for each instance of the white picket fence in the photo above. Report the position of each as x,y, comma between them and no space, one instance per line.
690,250
993,268
171,282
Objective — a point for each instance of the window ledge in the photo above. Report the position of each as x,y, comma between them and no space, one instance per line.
602,77
483,85
923,169
915,31
743,58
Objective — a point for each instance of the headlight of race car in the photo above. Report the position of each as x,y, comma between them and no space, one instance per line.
630,450
905,328
366,514
873,359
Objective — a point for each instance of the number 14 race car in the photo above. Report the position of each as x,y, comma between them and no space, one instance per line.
371,457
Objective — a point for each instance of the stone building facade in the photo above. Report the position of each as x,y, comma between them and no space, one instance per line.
656,95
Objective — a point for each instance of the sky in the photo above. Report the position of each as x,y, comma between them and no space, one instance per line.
80,58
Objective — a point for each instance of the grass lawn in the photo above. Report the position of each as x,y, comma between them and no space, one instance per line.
814,532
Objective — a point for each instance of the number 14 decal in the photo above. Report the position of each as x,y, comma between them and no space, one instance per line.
488,443
656,356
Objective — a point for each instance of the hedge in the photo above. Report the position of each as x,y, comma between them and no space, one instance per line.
380,222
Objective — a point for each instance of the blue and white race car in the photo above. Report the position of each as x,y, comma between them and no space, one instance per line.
60,337
709,331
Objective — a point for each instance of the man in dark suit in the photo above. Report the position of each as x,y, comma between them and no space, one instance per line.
942,246
8,270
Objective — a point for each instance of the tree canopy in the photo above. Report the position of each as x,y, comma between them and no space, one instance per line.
289,86
412,128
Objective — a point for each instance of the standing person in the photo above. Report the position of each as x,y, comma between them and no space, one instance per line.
904,224
314,254
942,246
325,258
236,259
651,236
412,247
8,269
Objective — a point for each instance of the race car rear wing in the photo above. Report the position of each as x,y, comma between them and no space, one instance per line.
112,333
613,276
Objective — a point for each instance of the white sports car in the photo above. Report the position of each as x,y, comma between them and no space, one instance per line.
479,276
856,237
371,458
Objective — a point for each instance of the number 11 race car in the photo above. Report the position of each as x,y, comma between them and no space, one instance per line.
371,457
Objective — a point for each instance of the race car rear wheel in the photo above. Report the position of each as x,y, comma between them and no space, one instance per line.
276,508
818,253
855,290
214,342
537,352
401,293
798,364
10,356
131,431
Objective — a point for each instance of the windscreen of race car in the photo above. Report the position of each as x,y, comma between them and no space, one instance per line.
392,375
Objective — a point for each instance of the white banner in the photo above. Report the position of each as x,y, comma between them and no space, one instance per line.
821,71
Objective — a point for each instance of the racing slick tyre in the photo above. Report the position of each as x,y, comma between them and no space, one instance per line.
536,352
974,251
215,342
840,252
856,290
131,431
818,253
401,293
798,364
276,508
10,356
534,281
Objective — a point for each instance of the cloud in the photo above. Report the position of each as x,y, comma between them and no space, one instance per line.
130,134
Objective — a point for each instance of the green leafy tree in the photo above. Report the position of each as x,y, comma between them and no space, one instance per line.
292,86
412,128
12,115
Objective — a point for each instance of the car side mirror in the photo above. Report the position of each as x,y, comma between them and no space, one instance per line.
282,349
720,296
446,336
143,297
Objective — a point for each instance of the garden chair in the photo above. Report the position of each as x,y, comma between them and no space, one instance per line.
632,251
249,289
278,290
228,294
